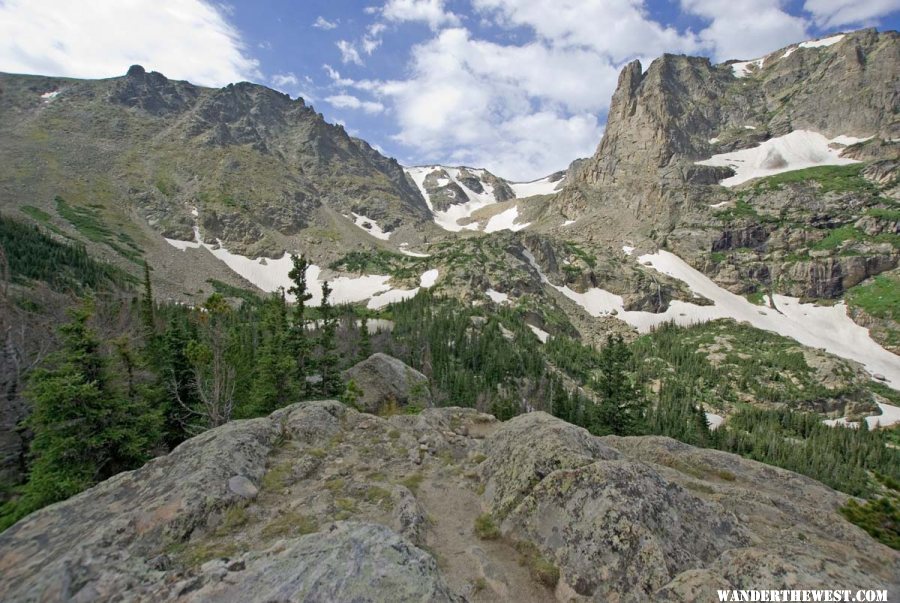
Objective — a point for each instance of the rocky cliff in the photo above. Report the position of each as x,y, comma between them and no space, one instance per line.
816,234
320,502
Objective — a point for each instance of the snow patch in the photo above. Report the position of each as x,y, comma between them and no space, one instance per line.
505,220
627,249
824,327
823,42
542,335
719,204
744,68
391,296
428,278
426,281
714,140
451,218
715,421
370,226
542,186
889,416
413,254
849,140
795,151
272,273
49,96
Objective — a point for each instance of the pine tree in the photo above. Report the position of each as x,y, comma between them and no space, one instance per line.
86,428
298,340
273,385
214,374
328,362
148,320
621,408
177,377
365,340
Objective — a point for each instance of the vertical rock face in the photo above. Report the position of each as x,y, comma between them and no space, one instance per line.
662,121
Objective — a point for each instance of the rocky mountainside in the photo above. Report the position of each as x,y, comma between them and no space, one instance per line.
321,502
245,165
816,234
463,198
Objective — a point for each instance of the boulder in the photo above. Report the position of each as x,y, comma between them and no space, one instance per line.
385,380
650,518
350,561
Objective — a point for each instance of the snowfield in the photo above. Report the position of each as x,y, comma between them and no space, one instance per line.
505,220
744,68
795,151
824,327
451,218
370,226
822,43
271,273
542,186
889,416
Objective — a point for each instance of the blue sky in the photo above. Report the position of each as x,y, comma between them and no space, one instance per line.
518,86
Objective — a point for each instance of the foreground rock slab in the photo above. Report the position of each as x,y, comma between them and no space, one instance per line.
319,502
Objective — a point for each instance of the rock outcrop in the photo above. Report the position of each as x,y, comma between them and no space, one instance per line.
644,182
385,380
333,504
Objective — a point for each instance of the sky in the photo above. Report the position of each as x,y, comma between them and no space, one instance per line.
521,87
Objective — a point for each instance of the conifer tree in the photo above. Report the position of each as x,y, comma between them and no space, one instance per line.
621,409
299,343
273,384
365,340
86,428
214,374
328,362
177,376
147,310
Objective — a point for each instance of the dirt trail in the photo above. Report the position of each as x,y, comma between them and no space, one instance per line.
482,570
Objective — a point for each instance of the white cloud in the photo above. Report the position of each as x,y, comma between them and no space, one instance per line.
335,76
347,101
323,23
746,29
184,39
834,13
372,39
290,84
618,29
349,53
431,12
521,111
283,80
